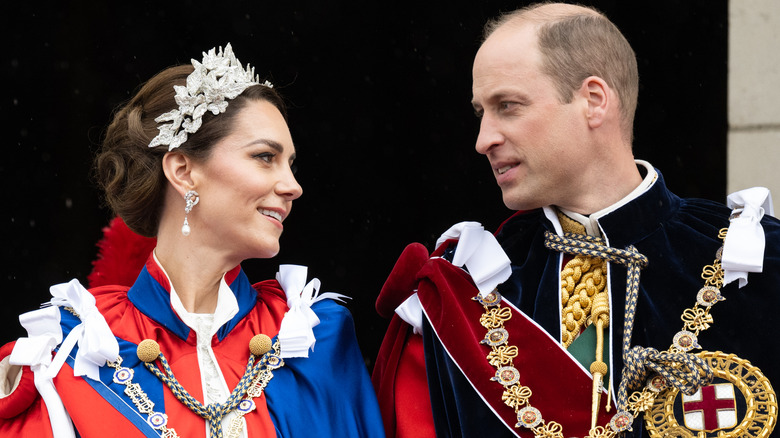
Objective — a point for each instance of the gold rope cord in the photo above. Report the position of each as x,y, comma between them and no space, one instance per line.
582,279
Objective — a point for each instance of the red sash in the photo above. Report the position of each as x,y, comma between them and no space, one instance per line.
562,389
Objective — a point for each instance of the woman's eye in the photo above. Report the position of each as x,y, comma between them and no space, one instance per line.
265,156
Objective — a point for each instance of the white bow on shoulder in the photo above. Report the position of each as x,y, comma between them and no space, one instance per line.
296,336
743,250
481,254
96,346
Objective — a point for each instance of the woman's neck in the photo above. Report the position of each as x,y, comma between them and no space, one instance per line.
193,274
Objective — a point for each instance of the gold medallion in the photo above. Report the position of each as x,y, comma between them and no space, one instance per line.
740,403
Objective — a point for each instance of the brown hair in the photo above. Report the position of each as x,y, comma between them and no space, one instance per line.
577,42
130,172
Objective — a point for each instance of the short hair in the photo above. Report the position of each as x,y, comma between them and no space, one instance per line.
576,42
130,173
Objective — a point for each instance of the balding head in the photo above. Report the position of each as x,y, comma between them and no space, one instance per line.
576,42
538,13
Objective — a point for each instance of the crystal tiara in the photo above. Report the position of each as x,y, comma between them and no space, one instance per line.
217,78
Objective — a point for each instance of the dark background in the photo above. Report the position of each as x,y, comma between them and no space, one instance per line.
380,115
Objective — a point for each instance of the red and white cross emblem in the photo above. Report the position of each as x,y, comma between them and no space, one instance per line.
712,407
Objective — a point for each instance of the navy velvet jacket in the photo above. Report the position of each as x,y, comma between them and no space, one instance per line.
679,237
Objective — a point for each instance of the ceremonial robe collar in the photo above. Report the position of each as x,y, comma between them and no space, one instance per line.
151,294
641,216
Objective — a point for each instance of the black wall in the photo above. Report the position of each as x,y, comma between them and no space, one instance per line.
380,115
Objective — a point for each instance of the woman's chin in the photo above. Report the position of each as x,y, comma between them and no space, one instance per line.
267,252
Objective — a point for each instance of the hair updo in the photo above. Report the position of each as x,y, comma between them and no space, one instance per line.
130,172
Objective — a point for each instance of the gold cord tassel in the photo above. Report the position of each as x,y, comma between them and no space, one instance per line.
600,314
585,301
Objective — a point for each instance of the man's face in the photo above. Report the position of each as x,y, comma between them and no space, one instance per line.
527,134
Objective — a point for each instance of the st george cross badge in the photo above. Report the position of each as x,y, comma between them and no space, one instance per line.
711,408
740,403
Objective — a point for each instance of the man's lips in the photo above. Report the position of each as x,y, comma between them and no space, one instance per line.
503,169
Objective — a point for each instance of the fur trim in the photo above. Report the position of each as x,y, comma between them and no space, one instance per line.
122,254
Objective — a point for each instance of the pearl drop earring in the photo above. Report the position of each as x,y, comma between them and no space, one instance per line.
192,199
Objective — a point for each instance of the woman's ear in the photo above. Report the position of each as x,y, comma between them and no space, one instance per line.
597,94
178,170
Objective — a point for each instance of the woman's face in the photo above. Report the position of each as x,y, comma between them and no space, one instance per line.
246,186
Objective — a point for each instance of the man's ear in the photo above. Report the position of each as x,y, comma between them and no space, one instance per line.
178,170
599,97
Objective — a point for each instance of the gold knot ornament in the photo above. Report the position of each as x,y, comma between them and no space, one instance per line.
260,344
148,350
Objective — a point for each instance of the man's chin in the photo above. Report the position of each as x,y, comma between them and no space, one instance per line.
513,202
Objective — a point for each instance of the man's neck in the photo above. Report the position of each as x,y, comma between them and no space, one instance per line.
590,221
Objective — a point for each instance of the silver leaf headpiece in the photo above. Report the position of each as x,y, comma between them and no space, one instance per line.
217,78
